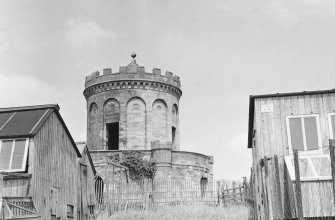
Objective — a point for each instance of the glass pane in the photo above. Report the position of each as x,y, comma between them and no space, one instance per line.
332,117
322,166
305,169
296,133
311,133
5,154
18,154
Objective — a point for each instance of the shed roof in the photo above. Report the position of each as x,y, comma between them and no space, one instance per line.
276,95
81,147
26,121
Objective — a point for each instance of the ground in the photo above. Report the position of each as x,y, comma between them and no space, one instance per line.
182,212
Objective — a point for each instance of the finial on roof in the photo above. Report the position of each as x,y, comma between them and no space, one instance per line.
133,55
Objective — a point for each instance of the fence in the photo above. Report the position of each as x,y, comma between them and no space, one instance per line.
147,194
295,186
233,192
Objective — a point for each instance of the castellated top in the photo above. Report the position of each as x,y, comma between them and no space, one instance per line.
132,109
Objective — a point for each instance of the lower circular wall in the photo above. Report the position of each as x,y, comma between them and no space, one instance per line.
172,164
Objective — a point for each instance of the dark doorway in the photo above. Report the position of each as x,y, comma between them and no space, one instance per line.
112,135
203,186
173,135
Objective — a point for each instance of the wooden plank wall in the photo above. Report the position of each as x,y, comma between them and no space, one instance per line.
317,198
271,132
90,178
18,187
53,165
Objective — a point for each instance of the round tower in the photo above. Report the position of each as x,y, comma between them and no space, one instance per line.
132,109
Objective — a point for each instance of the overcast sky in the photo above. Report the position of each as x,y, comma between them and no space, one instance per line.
223,51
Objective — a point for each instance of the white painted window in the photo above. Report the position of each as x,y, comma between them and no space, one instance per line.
311,167
303,132
13,155
331,122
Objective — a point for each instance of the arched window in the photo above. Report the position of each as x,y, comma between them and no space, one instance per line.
93,109
174,123
159,110
203,186
99,190
111,122
92,123
136,111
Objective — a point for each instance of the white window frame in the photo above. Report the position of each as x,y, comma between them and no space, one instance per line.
11,155
330,125
304,133
290,167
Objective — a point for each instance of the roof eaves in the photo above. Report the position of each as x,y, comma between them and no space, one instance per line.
68,133
24,108
42,120
251,120
316,92
90,159
16,136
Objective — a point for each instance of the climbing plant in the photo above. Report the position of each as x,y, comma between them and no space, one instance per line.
139,167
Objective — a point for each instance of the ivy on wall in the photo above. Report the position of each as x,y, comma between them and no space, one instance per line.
139,167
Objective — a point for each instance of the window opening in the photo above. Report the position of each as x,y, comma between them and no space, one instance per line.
112,135
69,211
311,167
173,135
331,121
303,132
99,189
13,155
203,186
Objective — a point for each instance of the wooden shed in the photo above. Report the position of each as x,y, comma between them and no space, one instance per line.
86,177
278,125
41,173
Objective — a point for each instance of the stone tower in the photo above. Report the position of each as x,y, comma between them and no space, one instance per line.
132,109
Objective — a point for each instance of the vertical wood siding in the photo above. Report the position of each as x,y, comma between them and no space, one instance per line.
271,131
18,187
53,165
90,191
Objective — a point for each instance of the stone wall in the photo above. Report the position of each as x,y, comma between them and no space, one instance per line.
137,117
172,164
146,107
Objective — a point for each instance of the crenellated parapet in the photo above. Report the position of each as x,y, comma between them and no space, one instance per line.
130,77
109,85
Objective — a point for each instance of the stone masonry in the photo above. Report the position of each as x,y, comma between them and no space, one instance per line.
136,110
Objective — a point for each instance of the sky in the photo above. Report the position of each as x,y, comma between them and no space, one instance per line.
223,51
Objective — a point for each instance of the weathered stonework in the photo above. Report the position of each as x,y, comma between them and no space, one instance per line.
145,108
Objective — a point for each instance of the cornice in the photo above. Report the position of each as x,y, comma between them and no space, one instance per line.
131,84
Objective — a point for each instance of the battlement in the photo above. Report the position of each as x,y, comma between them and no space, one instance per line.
132,72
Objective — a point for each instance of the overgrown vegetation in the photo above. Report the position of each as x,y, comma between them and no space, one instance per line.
139,167
182,212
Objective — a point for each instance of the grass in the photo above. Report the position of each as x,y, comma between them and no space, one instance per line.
183,212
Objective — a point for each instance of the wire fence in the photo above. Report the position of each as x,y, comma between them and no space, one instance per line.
122,196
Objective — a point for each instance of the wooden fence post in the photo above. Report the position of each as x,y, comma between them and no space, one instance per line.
107,190
113,193
218,191
268,190
298,185
1,186
245,191
332,161
234,199
280,204
2,205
